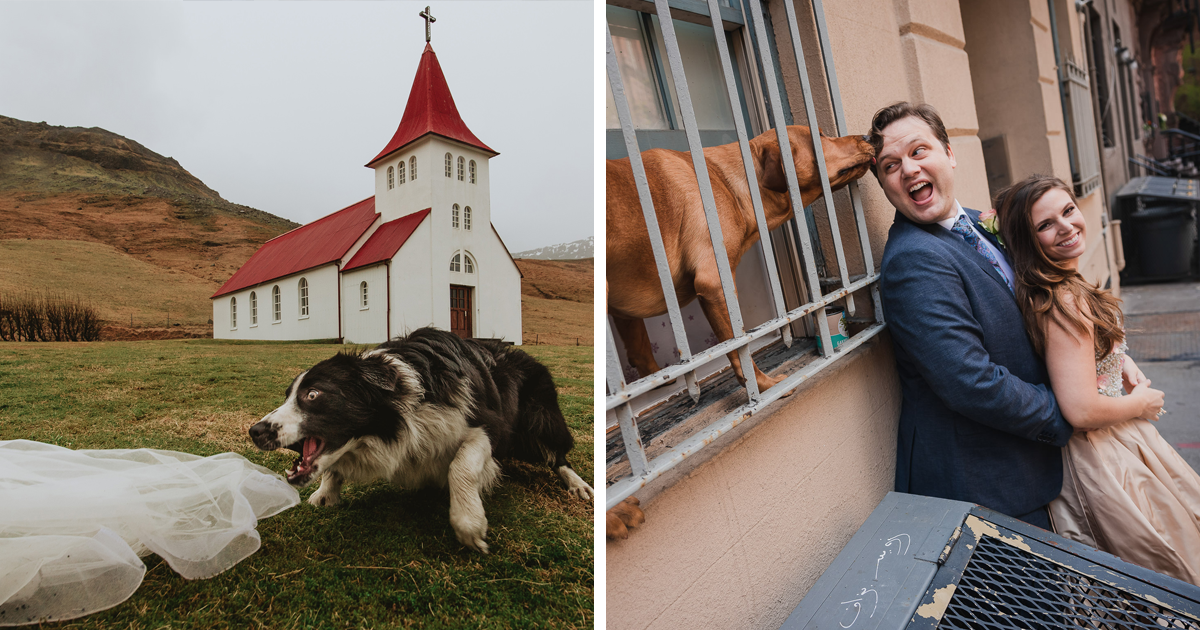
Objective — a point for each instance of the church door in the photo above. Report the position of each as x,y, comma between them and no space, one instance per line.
460,311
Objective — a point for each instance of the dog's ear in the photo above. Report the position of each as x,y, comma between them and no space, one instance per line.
768,164
378,372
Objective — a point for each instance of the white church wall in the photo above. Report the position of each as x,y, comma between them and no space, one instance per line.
498,308
413,195
365,323
321,322
412,283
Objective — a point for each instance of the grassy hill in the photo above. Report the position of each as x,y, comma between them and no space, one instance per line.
118,285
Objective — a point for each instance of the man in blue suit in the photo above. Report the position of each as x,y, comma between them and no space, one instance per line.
978,421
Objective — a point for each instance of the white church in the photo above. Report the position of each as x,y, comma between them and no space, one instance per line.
422,251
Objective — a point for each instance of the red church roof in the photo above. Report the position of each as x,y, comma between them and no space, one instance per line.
321,242
430,109
387,240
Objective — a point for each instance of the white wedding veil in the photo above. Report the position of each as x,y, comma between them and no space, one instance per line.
73,523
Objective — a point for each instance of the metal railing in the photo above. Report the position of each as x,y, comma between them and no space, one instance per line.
1085,154
621,394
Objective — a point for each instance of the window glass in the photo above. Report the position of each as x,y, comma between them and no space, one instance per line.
456,263
646,72
469,263
467,218
253,308
412,168
637,70
233,313
449,159
705,80
460,168
303,297
454,216
391,178
472,171
400,172
277,304
362,287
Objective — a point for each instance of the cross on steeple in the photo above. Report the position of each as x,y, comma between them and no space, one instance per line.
428,18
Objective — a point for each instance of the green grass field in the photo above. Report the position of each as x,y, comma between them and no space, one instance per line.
385,558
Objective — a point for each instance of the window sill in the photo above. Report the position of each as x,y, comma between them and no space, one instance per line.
365,308
303,317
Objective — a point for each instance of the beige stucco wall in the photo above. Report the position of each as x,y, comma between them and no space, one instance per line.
739,541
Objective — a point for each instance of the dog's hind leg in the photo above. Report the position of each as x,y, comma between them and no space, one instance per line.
637,344
712,302
330,492
472,472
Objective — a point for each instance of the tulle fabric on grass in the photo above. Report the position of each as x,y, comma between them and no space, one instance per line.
73,523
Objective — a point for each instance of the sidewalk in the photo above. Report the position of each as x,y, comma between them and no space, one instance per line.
1162,324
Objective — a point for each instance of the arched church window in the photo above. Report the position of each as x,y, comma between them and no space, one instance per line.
400,172
276,305
362,291
233,313
454,216
456,263
472,171
461,167
412,167
391,178
469,263
467,218
448,162
253,308
303,297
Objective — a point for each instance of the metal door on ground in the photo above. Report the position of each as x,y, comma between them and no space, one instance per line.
460,311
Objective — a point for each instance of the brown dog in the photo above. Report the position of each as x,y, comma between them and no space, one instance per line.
634,292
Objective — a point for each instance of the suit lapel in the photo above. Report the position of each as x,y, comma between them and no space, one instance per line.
958,244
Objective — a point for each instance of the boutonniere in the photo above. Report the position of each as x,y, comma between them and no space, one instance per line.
990,222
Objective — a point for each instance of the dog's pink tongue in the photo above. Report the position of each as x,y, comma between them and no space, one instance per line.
310,447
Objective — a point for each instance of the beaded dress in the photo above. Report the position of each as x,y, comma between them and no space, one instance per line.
1128,492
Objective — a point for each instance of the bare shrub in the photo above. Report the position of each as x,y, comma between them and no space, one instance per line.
47,317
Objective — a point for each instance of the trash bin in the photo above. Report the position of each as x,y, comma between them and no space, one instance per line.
1164,233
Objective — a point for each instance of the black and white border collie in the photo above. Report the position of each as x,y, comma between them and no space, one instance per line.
429,408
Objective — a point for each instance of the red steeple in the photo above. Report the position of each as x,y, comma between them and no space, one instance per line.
430,109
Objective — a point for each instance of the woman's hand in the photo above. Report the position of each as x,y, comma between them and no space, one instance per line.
1131,375
1150,401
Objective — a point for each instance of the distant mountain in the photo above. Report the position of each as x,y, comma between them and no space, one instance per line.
583,248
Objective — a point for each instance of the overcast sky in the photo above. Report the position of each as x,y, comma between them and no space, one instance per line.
278,105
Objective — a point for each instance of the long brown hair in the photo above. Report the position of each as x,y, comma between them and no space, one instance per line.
1042,283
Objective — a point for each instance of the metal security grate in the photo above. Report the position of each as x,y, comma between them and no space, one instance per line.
1007,587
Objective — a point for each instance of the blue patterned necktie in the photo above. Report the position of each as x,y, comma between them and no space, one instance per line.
963,228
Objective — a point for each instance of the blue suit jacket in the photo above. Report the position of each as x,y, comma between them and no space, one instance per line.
978,421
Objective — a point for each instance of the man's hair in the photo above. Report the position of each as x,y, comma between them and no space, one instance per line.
890,114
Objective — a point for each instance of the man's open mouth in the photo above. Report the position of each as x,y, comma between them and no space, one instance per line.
920,192
309,449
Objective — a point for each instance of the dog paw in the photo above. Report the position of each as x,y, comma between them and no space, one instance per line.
471,530
325,499
583,493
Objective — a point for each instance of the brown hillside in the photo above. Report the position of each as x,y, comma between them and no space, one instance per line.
556,301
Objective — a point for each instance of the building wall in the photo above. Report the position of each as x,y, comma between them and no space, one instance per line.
740,539
413,284
365,324
321,323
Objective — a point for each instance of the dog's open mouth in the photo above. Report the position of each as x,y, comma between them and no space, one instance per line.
308,448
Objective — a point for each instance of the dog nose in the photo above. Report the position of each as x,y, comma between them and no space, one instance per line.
259,432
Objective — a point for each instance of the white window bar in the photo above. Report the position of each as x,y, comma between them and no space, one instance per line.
621,393
1084,127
